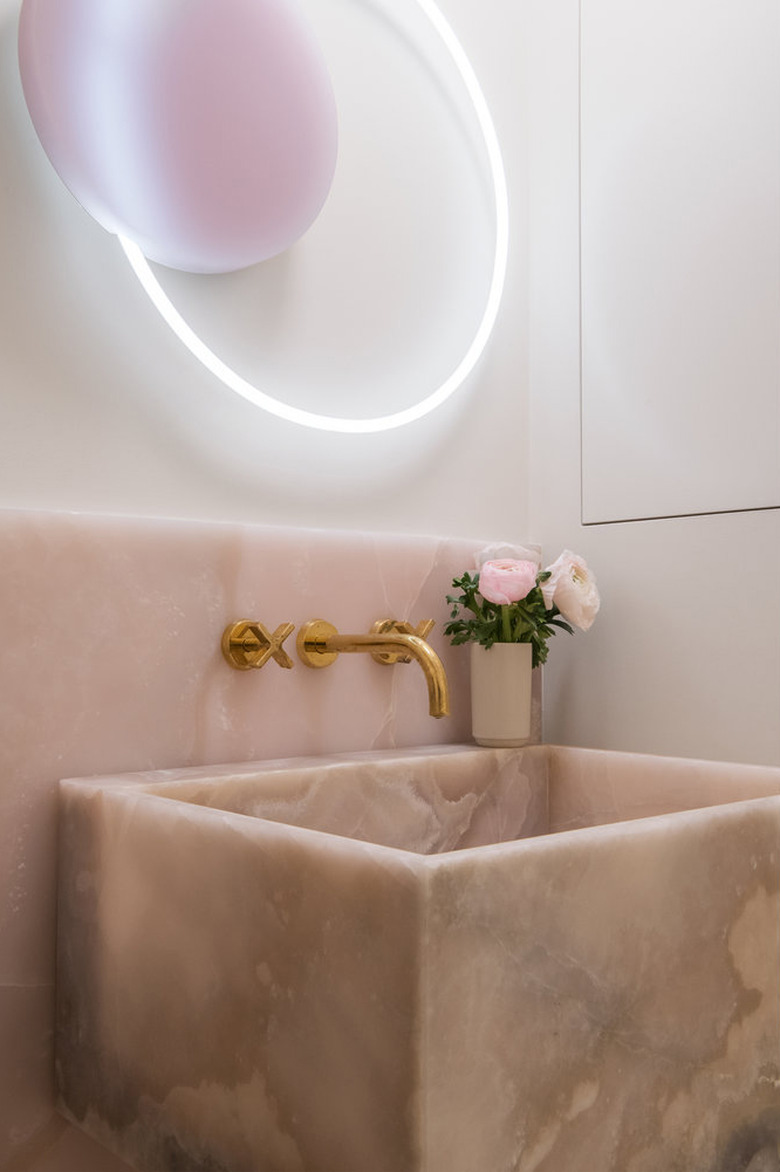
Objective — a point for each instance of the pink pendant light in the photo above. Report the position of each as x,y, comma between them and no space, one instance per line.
204,131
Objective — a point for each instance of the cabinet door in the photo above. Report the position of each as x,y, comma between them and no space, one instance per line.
680,217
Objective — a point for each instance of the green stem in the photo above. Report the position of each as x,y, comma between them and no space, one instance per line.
520,625
506,624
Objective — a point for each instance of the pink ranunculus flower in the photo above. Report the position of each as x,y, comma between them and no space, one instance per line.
572,588
506,580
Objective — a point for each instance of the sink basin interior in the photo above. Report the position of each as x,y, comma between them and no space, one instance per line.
424,802
432,801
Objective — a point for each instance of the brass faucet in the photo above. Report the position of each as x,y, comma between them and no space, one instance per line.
389,641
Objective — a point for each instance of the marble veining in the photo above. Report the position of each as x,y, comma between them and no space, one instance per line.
438,960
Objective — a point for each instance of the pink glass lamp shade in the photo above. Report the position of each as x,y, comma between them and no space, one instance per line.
203,130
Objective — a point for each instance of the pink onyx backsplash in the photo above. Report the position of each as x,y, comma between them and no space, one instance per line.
111,662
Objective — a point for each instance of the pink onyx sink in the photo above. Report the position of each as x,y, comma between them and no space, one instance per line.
437,960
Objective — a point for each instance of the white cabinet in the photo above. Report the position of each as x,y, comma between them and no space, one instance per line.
680,263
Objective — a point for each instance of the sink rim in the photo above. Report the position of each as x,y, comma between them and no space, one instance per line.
136,787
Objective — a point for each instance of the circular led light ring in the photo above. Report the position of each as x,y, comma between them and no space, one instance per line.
470,358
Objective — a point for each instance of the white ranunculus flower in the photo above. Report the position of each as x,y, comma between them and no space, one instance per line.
572,588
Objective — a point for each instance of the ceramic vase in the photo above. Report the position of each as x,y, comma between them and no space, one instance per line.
501,694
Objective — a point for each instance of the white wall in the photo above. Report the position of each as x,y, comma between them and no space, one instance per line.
102,409
685,656
680,257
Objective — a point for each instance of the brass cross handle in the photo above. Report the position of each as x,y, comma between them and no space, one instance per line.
247,644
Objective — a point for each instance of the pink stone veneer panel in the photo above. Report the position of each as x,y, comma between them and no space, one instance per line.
606,1000
304,1054
111,662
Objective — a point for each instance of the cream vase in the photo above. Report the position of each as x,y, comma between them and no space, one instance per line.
501,694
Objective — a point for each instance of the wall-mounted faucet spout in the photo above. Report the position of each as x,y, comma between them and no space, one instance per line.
389,641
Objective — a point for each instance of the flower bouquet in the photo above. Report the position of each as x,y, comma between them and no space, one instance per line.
512,600
508,611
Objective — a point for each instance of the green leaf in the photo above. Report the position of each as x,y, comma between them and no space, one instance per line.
563,625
